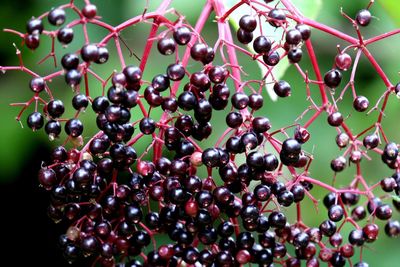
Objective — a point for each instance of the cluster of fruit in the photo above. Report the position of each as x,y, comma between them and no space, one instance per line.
117,203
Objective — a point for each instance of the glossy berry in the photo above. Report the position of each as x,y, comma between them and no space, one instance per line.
56,16
333,78
198,51
277,17
262,45
335,213
243,36
240,100
217,74
211,157
361,103
34,26
175,72
166,46
182,35
103,55
304,30
74,127
371,141
338,164
35,121
55,108
248,23
342,140
234,119
363,17
256,101
160,82
335,119
65,35
282,88
80,102
73,77
37,84
147,126
32,41
70,61
90,52
295,55
293,37
272,58
89,11
132,73
343,61
52,129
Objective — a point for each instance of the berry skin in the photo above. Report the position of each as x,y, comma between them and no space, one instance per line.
262,45
234,119
90,52
80,102
55,108
256,101
272,58
282,88
335,213
361,103
248,23
70,61
240,100
198,51
56,16
175,72
210,157
182,35
243,36
333,78
47,178
363,17
304,30
261,124
35,121
147,126
103,55
32,41
295,55
338,164
34,26
89,11
37,84
277,17
217,74
371,141
65,35
293,37
74,127
166,46
73,77
53,129
335,119
343,61
342,140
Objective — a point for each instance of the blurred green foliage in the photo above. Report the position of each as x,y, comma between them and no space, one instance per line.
16,141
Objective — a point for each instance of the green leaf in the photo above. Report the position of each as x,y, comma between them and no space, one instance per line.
391,7
309,8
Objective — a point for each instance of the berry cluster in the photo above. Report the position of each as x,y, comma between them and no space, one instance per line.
118,203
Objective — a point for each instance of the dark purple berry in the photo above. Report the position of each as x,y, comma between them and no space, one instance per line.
363,17
56,16
248,23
